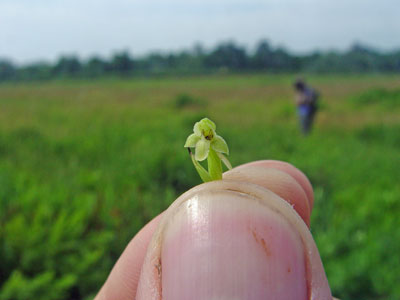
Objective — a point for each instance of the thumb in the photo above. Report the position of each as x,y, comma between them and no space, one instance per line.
237,239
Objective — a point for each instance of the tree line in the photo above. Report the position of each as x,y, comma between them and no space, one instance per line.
225,57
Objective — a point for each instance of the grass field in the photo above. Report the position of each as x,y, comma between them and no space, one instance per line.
85,164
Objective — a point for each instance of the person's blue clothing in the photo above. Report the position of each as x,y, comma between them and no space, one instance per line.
304,109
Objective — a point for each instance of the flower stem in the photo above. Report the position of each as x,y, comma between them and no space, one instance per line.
214,165
204,175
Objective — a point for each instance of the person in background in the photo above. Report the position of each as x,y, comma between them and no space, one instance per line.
306,101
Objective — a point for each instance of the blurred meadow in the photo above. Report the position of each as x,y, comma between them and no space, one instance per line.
84,164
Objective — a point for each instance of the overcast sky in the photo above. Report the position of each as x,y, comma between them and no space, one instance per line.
32,30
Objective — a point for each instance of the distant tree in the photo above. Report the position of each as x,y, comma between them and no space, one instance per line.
172,60
327,62
269,59
156,63
122,63
67,66
227,55
390,62
7,70
263,56
361,58
358,48
283,61
36,71
185,62
307,60
96,67
198,50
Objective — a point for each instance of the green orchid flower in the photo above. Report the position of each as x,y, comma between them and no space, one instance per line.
208,145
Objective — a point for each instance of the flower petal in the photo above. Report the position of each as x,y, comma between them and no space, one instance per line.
204,126
207,123
197,129
202,149
219,144
225,161
192,140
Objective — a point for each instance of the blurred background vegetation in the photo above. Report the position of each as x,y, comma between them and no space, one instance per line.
91,138
84,164
223,58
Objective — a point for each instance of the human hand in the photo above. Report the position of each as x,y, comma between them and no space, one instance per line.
229,239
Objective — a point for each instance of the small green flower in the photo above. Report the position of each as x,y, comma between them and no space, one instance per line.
208,145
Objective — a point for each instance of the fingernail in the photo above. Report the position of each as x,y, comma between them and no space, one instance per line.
222,245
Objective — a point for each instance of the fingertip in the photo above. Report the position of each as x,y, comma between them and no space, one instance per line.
291,170
217,230
278,182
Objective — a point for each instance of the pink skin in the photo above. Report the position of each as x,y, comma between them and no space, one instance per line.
290,170
279,182
225,250
242,270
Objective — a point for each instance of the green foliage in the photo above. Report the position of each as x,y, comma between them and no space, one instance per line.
80,173
187,101
229,56
7,70
226,57
381,96
122,63
67,66
42,286
386,135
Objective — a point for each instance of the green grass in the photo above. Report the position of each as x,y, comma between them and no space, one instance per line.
85,164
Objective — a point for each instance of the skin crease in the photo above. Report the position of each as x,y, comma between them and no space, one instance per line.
290,170
122,282
282,184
